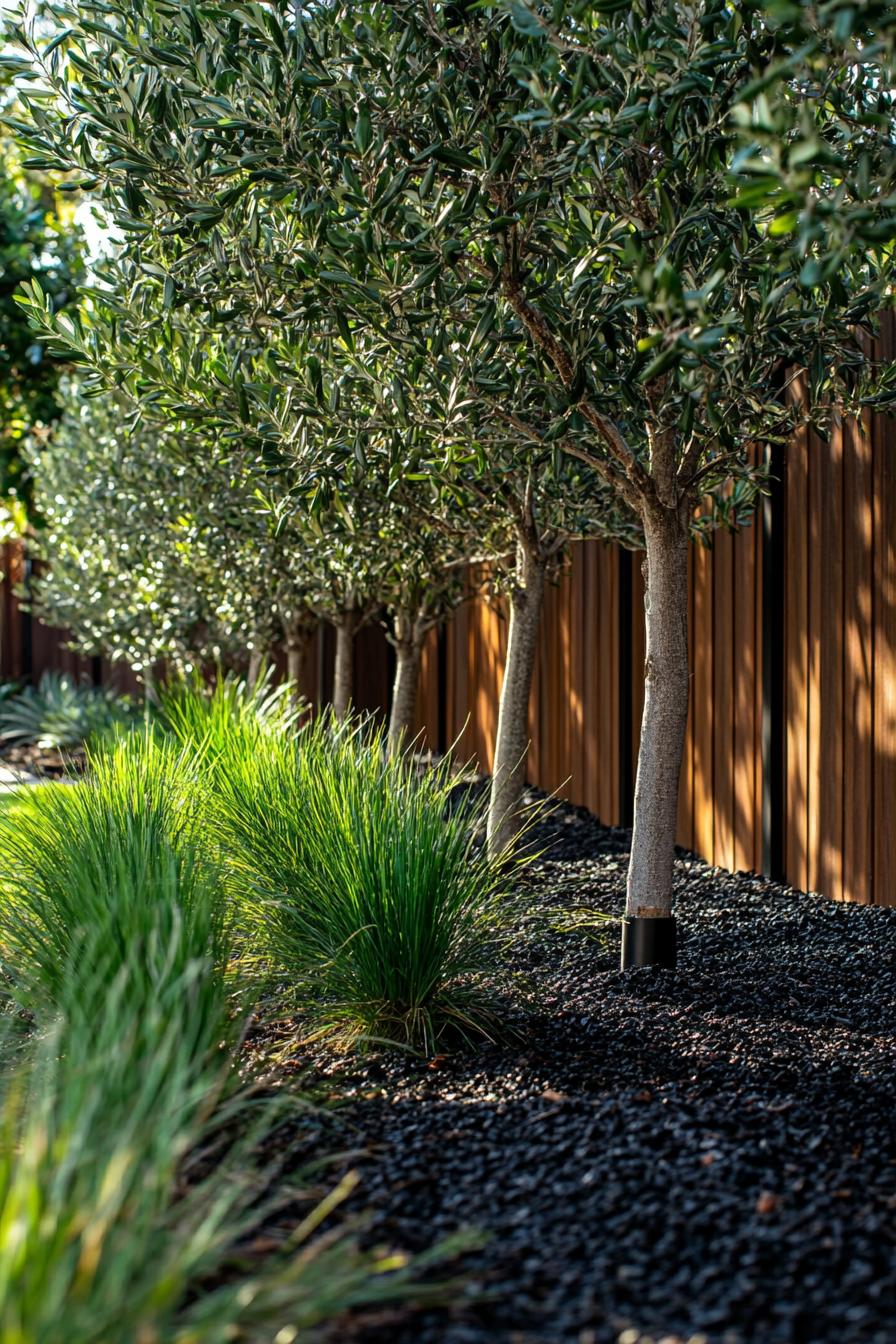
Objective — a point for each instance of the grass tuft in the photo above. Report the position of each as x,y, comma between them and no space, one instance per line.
362,889
131,1195
133,1205
227,716
111,876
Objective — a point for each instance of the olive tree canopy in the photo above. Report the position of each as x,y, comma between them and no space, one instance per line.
531,209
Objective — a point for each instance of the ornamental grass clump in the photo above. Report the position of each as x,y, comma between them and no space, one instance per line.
97,1127
361,888
112,876
229,715
133,1202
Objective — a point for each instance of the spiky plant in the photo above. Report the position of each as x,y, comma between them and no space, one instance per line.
130,1190
131,1194
229,710
60,712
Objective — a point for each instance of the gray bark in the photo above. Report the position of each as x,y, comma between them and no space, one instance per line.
343,668
408,650
149,692
293,664
254,671
512,737
296,656
666,683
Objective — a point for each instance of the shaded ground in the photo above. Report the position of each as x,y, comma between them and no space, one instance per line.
27,763
707,1155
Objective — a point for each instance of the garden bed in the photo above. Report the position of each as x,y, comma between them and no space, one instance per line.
710,1154
43,762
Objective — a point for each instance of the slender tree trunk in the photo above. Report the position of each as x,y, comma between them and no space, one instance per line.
343,669
254,671
666,682
512,738
297,645
149,693
408,650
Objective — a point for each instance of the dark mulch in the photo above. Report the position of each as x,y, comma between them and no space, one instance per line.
706,1155
45,762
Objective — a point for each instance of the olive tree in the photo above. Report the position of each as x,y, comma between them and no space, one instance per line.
152,555
315,386
517,510
549,183
159,546
429,550
528,208
409,481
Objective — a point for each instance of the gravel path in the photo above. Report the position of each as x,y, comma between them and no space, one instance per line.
705,1156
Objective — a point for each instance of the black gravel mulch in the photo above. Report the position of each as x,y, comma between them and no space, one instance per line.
709,1155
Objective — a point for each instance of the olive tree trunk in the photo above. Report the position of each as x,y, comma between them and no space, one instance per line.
666,683
512,738
254,671
294,660
343,668
408,641
297,644
147,676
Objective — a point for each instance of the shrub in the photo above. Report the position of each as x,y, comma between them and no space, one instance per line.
361,887
60,713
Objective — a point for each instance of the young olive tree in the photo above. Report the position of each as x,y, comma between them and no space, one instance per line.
153,554
122,570
428,552
340,547
517,511
399,453
528,207
416,478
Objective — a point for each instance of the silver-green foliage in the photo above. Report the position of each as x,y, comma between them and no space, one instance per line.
158,545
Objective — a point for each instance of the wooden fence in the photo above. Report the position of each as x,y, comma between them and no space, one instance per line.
790,759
